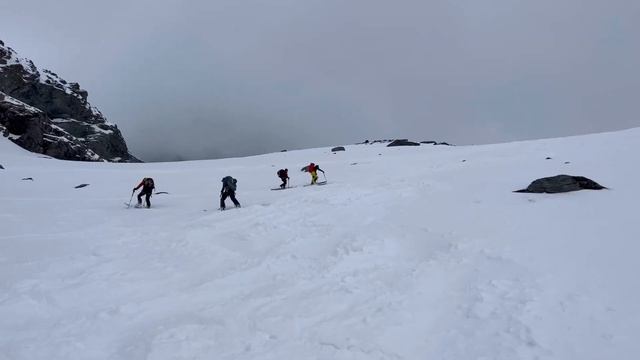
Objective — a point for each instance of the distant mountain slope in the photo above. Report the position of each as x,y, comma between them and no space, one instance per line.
46,114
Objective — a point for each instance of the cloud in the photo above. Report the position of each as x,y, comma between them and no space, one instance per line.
203,79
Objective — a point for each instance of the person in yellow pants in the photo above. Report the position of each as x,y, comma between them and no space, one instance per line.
313,170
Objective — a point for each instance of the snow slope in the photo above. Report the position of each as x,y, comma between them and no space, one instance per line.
407,253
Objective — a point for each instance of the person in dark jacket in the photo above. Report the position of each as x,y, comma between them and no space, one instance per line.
283,174
228,191
147,186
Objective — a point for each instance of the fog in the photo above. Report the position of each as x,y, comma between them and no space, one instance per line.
209,79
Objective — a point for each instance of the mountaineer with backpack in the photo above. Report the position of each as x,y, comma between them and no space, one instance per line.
147,189
313,170
283,174
228,190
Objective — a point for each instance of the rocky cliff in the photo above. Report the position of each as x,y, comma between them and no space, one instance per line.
44,113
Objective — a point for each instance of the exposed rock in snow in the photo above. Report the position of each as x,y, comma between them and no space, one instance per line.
338,148
403,142
561,184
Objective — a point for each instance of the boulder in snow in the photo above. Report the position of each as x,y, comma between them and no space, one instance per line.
403,142
338,148
561,184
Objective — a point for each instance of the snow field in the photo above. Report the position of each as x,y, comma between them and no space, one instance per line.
410,254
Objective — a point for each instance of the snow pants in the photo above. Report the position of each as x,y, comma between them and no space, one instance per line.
228,194
146,193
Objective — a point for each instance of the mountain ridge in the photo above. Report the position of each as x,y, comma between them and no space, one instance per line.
66,127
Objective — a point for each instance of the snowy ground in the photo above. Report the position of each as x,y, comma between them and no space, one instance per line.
407,253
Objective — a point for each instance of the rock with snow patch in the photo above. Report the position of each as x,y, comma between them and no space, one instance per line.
338,148
403,142
58,112
561,184
33,130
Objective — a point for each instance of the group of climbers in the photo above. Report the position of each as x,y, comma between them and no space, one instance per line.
229,185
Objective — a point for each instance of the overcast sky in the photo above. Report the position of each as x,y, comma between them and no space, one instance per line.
212,78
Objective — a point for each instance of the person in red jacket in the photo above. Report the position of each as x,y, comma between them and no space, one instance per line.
147,189
313,170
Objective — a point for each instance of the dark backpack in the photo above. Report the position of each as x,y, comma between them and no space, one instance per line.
229,183
148,183
282,173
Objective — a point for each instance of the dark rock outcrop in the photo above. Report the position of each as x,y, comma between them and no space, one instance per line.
561,184
46,114
33,130
338,148
403,142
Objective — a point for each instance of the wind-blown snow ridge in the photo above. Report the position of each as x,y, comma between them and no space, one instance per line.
410,254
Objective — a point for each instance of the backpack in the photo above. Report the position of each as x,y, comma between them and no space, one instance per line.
229,183
282,173
148,183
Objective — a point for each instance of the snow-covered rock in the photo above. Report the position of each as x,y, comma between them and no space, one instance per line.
64,109
33,130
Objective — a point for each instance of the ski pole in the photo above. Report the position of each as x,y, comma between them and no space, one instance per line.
325,176
133,192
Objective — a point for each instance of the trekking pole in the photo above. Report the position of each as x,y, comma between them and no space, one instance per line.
133,192
325,176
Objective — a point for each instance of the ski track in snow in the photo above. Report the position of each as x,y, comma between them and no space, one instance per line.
411,254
